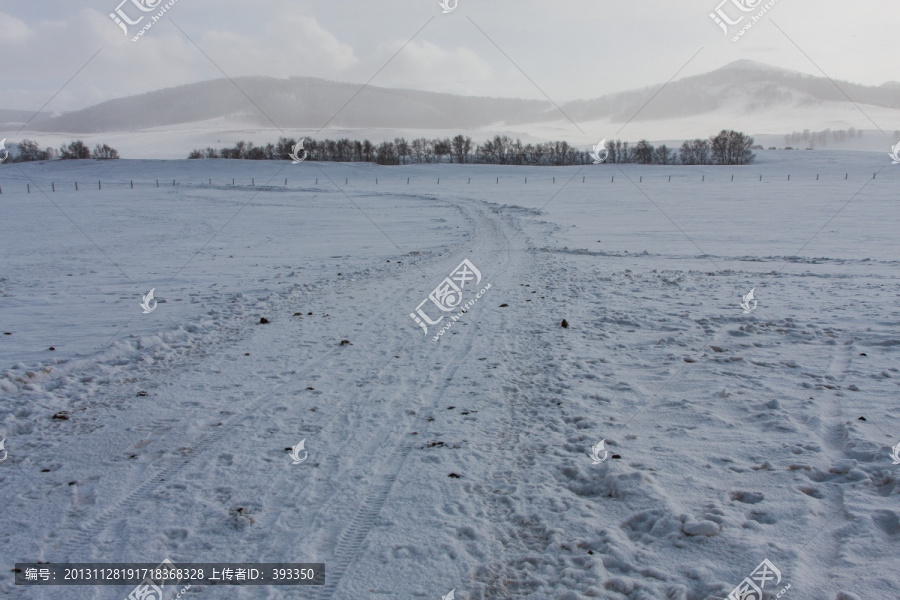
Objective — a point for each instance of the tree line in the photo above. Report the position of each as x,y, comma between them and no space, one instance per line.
726,148
29,151
821,138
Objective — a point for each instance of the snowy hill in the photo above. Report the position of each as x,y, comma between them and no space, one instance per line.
302,102
756,98
743,85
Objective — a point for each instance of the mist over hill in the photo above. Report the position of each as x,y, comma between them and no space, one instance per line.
743,85
298,102
304,102
761,100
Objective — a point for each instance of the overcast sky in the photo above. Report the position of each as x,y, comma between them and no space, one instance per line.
569,49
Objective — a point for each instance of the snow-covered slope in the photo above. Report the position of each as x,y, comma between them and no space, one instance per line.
753,97
463,463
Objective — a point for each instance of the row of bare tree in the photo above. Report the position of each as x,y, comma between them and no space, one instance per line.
421,150
29,151
726,148
501,150
821,138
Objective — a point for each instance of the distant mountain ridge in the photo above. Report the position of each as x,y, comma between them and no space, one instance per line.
744,84
298,102
309,103
17,118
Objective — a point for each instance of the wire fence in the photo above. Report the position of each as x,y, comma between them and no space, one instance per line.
306,183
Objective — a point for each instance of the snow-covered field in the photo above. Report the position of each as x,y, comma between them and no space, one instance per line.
462,463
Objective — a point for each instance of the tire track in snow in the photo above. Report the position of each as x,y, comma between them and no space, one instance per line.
91,528
350,541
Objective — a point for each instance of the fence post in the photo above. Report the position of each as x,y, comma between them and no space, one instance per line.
873,175
760,177
99,187
670,179
845,175
817,176
789,177
641,180
53,185
157,183
498,180
407,181
29,188
173,183
582,179
470,180
346,181
76,186
554,180
613,180
704,178
732,176
232,181
439,181
285,182
132,184
252,182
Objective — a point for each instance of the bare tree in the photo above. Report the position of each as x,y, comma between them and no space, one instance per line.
663,156
387,154
462,145
402,148
30,151
611,151
418,149
732,148
429,151
643,152
76,150
442,148
285,147
695,152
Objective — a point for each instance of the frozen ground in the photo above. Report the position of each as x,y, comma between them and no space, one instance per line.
463,463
